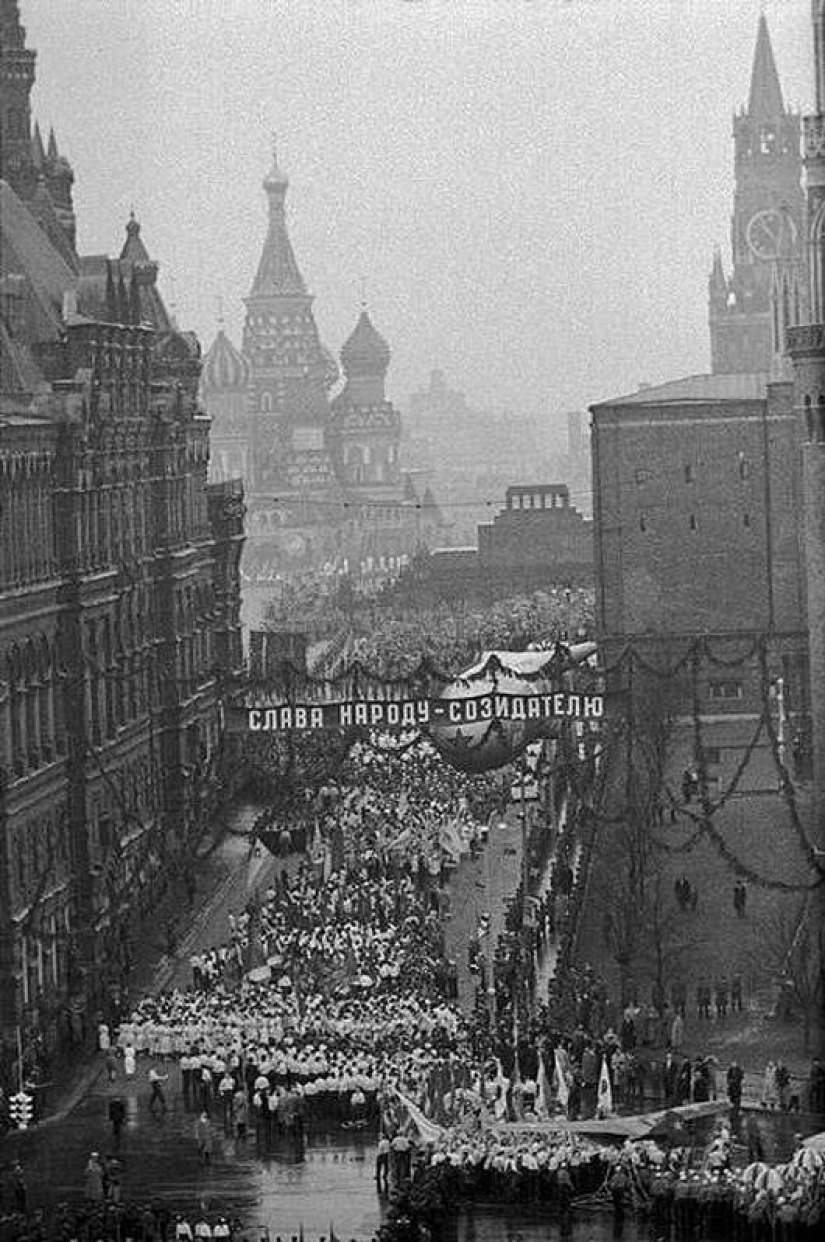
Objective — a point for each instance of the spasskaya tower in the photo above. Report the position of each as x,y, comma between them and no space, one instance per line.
766,226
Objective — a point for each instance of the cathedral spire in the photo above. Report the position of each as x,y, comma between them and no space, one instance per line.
278,273
38,151
765,101
16,81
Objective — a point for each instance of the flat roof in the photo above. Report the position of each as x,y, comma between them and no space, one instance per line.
699,388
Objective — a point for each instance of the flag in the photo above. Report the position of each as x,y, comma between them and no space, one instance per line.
428,1132
502,1085
604,1103
562,1081
450,841
543,1094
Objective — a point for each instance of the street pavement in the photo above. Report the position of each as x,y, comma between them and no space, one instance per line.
481,884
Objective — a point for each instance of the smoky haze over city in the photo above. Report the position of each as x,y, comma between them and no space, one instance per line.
526,193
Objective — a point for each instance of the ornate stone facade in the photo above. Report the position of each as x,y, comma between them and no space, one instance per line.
119,599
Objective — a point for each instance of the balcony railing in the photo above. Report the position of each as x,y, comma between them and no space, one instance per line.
806,337
813,129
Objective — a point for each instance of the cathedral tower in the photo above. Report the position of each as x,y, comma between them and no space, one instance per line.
766,227
806,345
40,176
16,81
289,370
367,427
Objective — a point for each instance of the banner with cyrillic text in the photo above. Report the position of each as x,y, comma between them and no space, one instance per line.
413,713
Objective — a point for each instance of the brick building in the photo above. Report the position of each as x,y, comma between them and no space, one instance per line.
696,518
697,497
748,306
806,345
119,587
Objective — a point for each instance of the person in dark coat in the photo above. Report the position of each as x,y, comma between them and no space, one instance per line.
756,1148
94,1187
117,1117
19,1188
670,1075
683,1083
735,1078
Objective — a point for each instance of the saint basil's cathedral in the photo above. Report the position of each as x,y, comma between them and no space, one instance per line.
322,469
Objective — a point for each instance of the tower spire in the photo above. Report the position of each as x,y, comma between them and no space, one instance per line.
765,101
278,273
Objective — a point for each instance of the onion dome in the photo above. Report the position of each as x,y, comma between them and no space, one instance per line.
276,179
366,352
224,367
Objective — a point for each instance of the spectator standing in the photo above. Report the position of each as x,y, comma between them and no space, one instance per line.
157,1096
783,1084
736,994
736,1077
382,1165
19,1188
240,1112
203,1138
93,1180
117,1116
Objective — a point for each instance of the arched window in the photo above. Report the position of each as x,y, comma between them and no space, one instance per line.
266,402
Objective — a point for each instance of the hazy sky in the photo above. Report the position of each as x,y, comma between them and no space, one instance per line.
530,189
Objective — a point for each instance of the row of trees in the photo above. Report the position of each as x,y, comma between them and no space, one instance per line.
632,890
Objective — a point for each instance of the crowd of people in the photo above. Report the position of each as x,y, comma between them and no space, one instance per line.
329,1001
332,984
157,1221
683,1199
404,635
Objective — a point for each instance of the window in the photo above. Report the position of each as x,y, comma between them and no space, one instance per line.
725,689
693,523
713,756
689,474
642,475
746,519
744,467
643,521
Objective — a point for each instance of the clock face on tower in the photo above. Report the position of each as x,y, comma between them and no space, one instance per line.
770,233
